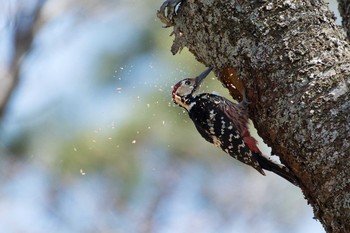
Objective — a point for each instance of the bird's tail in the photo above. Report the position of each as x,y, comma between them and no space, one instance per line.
280,170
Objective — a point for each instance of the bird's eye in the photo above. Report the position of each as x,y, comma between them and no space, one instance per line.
187,82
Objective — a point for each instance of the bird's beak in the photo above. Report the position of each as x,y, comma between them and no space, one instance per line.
202,76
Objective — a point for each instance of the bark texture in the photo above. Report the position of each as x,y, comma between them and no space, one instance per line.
295,64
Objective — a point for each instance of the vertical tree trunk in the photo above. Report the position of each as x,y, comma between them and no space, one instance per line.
295,64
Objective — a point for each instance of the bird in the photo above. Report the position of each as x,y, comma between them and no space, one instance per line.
225,124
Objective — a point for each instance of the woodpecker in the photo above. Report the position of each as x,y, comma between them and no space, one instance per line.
224,124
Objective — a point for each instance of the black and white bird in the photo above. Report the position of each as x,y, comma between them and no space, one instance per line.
225,124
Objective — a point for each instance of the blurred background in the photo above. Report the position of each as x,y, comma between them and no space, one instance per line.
91,142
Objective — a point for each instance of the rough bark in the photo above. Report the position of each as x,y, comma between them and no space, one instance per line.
295,64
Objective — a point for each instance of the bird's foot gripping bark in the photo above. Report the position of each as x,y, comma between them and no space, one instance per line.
171,7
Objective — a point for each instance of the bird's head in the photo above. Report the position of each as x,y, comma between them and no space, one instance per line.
184,90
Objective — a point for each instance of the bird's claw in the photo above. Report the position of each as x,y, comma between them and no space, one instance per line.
170,6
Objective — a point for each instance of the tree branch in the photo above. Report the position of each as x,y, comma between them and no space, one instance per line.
295,64
21,26
344,10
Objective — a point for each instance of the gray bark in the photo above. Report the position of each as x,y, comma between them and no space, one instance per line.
295,64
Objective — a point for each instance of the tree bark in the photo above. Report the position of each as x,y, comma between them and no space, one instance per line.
295,64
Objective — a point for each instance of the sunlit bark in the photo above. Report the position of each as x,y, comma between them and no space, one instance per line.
295,64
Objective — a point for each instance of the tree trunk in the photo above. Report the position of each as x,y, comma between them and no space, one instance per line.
295,64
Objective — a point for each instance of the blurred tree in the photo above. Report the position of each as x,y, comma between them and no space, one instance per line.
294,61
21,24
344,10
